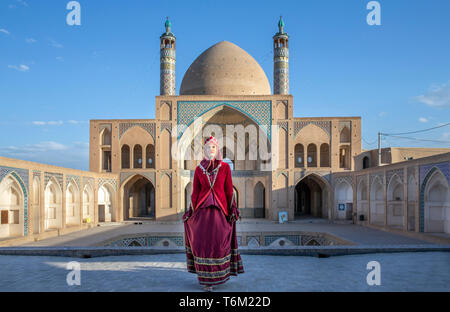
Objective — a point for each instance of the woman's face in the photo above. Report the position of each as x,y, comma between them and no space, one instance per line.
210,150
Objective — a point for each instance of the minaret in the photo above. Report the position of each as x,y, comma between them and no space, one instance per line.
281,60
167,60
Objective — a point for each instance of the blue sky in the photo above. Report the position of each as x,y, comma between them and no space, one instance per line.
54,78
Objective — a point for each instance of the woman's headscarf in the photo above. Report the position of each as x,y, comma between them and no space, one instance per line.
211,164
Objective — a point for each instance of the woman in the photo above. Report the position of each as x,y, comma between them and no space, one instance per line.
210,222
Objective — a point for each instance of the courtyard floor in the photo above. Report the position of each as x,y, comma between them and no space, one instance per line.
354,233
418,271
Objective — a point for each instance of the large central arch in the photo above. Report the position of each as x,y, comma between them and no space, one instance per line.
217,118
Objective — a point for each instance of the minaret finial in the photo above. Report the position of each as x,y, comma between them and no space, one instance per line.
168,25
281,24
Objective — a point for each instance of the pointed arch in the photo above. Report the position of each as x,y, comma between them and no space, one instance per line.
53,205
12,206
362,204
377,202
36,204
88,204
343,197
139,197
311,158
434,202
312,196
259,199
412,203
72,203
299,152
125,156
395,202
137,156
344,135
106,203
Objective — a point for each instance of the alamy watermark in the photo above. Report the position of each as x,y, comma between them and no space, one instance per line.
74,276
74,16
374,276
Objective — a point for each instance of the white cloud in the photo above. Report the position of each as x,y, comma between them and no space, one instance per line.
437,96
39,123
58,122
35,148
77,122
382,114
48,123
22,2
30,40
423,119
74,155
55,44
2,30
21,67
59,58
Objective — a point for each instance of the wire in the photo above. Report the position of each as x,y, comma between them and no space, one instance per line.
374,142
417,130
418,139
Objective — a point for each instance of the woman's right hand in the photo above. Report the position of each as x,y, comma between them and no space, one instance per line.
187,214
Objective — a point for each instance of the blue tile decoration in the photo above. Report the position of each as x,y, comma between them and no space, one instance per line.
443,166
88,180
248,238
258,111
269,239
112,182
70,177
21,176
57,176
146,241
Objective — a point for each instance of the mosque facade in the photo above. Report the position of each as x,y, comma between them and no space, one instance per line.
311,166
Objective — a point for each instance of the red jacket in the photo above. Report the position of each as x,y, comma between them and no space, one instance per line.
222,189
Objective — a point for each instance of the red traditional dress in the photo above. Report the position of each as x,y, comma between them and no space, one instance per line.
210,225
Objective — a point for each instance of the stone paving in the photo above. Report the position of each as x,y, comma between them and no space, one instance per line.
419,271
350,232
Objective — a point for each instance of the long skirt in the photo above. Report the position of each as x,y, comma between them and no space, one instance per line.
211,246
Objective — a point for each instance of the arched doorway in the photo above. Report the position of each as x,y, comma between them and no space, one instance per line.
259,197
395,202
377,202
53,205
343,196
436,203
11,208
139,198
36,205
105,203
366,162
88,204
72,204
311,197
362,204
